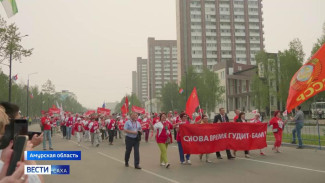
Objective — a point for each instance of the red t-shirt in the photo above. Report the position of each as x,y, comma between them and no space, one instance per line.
94,126
46,123
145,124
69,123
178,137
111,124
236,117
78,127
277,123
163,131
121,125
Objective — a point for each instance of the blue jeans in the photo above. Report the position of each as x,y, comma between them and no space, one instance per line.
47,136
181,153
298,128
69,130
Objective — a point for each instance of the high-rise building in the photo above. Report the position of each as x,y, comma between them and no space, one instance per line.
214,31
222,35
142,79
163,66
134,83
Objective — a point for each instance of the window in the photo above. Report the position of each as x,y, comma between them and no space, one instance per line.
244,89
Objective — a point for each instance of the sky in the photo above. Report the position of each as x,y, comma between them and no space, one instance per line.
90,47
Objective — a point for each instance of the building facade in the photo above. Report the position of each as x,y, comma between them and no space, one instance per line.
222,35
162,65
142,79
134,82
214,31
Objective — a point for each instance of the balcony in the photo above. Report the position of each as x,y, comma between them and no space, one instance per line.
196,41
225,34
214,34
240,41
240,34
239,20
226,56
254,34
254,20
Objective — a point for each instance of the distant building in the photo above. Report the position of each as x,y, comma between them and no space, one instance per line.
134,83
142,79
163,66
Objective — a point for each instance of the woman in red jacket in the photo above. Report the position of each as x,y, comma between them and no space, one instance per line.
277,128
79,129
163,137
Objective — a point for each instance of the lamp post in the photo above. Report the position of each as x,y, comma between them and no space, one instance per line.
28,92
10,64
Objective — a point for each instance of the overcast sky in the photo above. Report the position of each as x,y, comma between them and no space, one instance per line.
89,47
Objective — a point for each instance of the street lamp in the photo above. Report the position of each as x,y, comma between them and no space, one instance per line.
10,65
28,92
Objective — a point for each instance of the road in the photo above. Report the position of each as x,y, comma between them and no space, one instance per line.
105,164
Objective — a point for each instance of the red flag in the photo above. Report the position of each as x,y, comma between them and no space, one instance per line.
103,111
138,110
192,103
308,80
90,112
126,103
124,109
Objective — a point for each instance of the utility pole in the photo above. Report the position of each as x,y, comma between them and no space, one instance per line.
28,92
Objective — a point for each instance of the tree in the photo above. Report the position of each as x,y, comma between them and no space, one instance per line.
260,83
295,48
133,101
10,46
290,63
319,43
48,87
208,88
170,97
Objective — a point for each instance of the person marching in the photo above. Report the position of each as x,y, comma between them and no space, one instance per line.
132,128
145,127
47,131
111,129
163,137
277,129
241,119
222,118
94,131
69,124
257,119
205,120
183,120
85,123
79,129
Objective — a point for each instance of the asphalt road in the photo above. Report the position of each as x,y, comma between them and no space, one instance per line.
105,164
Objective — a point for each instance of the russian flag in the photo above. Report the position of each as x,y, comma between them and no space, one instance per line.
181,91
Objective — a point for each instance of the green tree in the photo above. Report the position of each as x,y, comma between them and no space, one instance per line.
170,97
133,101
290,63
208,88
320,41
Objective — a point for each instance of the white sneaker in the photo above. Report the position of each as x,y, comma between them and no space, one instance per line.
162,164
79,145
208,161
247,156
188,162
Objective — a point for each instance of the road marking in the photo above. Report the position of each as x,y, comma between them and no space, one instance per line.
284,165
147,171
